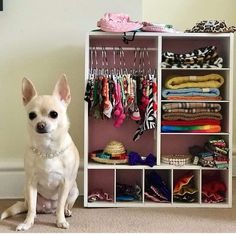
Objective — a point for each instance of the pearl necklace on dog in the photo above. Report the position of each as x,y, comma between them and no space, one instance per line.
49,155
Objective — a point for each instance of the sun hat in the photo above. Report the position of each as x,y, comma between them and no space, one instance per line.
118,22
113,153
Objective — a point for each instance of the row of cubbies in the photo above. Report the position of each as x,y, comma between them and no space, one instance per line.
109,181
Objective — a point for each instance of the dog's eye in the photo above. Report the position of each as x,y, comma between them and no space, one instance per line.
53,114
32,115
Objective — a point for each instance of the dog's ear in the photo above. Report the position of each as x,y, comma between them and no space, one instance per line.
62,90
28,91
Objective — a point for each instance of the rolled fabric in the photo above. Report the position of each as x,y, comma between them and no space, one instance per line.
209,92
206,81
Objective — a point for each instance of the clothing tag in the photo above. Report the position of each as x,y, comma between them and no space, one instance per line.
206,90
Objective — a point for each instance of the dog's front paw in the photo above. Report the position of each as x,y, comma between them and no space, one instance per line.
63,224
68,213
23,227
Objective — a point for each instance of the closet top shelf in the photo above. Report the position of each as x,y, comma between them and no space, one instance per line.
172,35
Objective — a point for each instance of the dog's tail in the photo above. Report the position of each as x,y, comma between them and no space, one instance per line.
17,208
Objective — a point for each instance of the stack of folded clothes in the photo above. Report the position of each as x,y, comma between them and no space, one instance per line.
213,192
184,189
202,117
213,154
205,57
204,87
156,189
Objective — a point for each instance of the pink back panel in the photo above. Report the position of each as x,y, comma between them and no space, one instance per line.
101,132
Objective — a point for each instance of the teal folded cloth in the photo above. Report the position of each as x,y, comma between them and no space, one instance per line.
210,92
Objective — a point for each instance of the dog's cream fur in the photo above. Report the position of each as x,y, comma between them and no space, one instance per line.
51,159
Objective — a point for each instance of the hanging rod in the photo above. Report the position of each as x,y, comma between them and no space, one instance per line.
123,48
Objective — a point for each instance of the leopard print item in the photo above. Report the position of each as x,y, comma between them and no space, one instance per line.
205,57
211,26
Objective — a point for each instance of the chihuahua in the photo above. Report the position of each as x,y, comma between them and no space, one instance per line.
51,160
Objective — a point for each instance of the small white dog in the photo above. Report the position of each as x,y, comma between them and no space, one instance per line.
51,159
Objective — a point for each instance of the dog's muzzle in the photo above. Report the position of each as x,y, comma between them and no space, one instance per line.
41,127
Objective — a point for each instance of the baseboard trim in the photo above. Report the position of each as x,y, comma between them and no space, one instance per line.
12,178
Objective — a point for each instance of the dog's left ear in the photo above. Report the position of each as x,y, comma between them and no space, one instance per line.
62,90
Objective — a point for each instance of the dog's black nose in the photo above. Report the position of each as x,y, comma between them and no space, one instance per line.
41,127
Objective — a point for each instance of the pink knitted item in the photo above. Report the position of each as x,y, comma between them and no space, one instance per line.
117,22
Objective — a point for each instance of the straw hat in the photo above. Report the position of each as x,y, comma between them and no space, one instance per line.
115,148
116,152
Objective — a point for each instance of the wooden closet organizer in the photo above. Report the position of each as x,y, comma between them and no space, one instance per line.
97,133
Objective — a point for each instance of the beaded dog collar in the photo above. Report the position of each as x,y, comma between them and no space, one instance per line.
49,155
176,159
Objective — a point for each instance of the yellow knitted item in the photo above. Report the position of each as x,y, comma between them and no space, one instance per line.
206,81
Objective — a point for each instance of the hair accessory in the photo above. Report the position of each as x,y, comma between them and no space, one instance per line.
135,159
118,22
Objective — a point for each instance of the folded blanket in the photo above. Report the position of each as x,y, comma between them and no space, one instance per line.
190,122
193,129
208,98
206,81
191,116
190,105
209,92
202,110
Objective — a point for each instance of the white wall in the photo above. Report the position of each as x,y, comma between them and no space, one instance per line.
41,40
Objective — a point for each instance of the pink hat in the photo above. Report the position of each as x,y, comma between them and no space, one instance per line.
117,22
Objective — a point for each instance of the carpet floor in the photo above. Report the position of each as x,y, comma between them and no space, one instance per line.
126,220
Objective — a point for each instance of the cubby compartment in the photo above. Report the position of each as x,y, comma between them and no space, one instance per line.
180,118
100,186
215,186
182,146
186,186
170,73
158,186
181,45
129,185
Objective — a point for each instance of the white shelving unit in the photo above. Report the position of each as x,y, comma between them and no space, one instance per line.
98,132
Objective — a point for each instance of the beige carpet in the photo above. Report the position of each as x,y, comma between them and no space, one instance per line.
134,219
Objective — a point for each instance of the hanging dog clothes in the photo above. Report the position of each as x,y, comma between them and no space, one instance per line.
149,121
